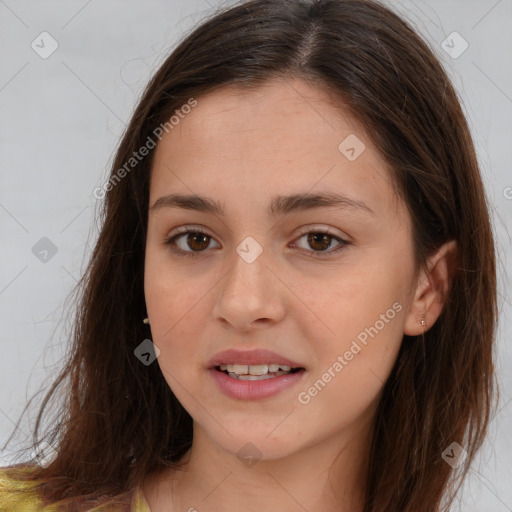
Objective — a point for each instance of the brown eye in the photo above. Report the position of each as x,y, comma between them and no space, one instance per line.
319,241
193,242
189,243
197,241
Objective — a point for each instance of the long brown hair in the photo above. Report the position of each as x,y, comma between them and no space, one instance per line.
120,420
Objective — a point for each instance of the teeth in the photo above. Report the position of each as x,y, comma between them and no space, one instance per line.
256,370
257,377
254,377
240,369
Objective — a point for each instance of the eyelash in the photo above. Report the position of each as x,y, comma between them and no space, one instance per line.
196,230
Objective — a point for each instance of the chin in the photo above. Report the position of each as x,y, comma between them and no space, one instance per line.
255,442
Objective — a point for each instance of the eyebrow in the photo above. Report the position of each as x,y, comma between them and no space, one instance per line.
279,205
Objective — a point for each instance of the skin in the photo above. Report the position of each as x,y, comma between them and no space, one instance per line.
241,148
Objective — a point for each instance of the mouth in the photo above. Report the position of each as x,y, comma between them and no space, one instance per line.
256,372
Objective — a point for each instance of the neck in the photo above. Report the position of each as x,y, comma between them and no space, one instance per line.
324,477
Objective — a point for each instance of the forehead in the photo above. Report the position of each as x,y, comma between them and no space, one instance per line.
277,113
284,137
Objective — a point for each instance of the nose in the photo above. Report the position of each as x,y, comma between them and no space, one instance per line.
250,296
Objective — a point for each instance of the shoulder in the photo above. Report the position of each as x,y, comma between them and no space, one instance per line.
139,503
17,495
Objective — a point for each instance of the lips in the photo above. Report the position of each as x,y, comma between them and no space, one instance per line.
251,357
254,387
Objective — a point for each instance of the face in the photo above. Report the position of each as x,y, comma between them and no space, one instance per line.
323,285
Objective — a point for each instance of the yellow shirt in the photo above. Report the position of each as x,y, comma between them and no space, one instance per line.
27,501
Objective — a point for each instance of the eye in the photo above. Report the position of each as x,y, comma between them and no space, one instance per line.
195,239
320,241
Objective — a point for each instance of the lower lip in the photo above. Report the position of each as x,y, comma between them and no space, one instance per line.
254,389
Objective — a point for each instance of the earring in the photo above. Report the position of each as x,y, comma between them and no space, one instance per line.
422,321
146,321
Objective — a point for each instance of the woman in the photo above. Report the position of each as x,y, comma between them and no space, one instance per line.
292,301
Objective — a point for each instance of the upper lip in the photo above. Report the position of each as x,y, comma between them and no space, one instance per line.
250,357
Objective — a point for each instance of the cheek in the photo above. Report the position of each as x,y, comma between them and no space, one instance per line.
360,321
175,306
354,363
170,294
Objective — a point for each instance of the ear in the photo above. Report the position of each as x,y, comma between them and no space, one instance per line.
432,290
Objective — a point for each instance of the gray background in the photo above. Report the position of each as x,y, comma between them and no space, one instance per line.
61,120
